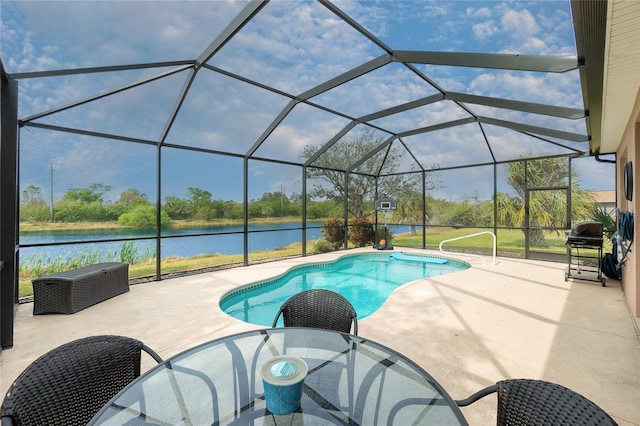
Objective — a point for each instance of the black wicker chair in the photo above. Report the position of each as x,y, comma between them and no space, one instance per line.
537,402
319,308
69,384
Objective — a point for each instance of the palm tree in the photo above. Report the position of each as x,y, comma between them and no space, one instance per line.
548,208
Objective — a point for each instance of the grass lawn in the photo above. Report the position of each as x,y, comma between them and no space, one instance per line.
510,241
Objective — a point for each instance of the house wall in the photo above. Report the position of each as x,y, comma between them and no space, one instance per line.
629,150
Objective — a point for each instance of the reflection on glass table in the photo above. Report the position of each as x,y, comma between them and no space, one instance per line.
350,380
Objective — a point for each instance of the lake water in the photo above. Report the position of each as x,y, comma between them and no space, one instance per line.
187,242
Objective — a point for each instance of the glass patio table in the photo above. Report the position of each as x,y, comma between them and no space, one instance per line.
351,380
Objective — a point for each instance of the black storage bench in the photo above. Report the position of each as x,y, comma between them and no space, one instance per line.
71,291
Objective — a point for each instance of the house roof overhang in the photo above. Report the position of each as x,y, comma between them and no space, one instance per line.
608,45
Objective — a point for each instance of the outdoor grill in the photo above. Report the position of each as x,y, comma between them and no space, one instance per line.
584,252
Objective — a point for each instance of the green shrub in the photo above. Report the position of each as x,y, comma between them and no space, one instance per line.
380,234
77,211
113,211
35,213
334,232
361,231
143,217
321,246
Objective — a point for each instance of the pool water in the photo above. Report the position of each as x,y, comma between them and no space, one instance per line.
366,280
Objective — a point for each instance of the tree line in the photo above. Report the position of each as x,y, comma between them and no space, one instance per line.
133,208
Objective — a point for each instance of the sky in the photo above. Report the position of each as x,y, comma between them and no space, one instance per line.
291,46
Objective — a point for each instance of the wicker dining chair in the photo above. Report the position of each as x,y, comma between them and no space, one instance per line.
69,384
537,402
319,308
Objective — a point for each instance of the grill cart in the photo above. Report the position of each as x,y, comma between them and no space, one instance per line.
584,252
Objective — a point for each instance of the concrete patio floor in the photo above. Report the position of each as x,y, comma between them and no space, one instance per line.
468,330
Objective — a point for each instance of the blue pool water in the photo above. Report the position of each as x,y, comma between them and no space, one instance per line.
366,280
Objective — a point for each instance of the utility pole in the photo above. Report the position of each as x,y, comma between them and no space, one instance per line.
281,200
51,192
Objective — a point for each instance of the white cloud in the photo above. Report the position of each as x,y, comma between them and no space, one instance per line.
561,90
520,24
534,44
294,47
481,13
94,33
534,29
484,30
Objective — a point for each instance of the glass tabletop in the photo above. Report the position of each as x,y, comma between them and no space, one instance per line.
350,380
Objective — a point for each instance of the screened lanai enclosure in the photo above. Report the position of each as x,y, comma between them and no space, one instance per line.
227,133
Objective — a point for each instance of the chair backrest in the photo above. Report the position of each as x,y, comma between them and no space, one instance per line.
69,384
318,308
536,402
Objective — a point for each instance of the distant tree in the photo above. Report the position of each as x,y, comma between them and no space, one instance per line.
233,210
132,197
93,193
198,197
323,209
83,204
267,205
361,190
127,201
203,206
33,207
470,213
218,207
32,195
274,204
178,208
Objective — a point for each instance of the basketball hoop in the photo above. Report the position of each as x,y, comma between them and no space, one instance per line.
386,205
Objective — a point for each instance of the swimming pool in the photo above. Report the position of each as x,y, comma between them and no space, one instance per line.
366,280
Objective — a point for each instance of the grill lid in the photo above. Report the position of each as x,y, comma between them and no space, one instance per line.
587,229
